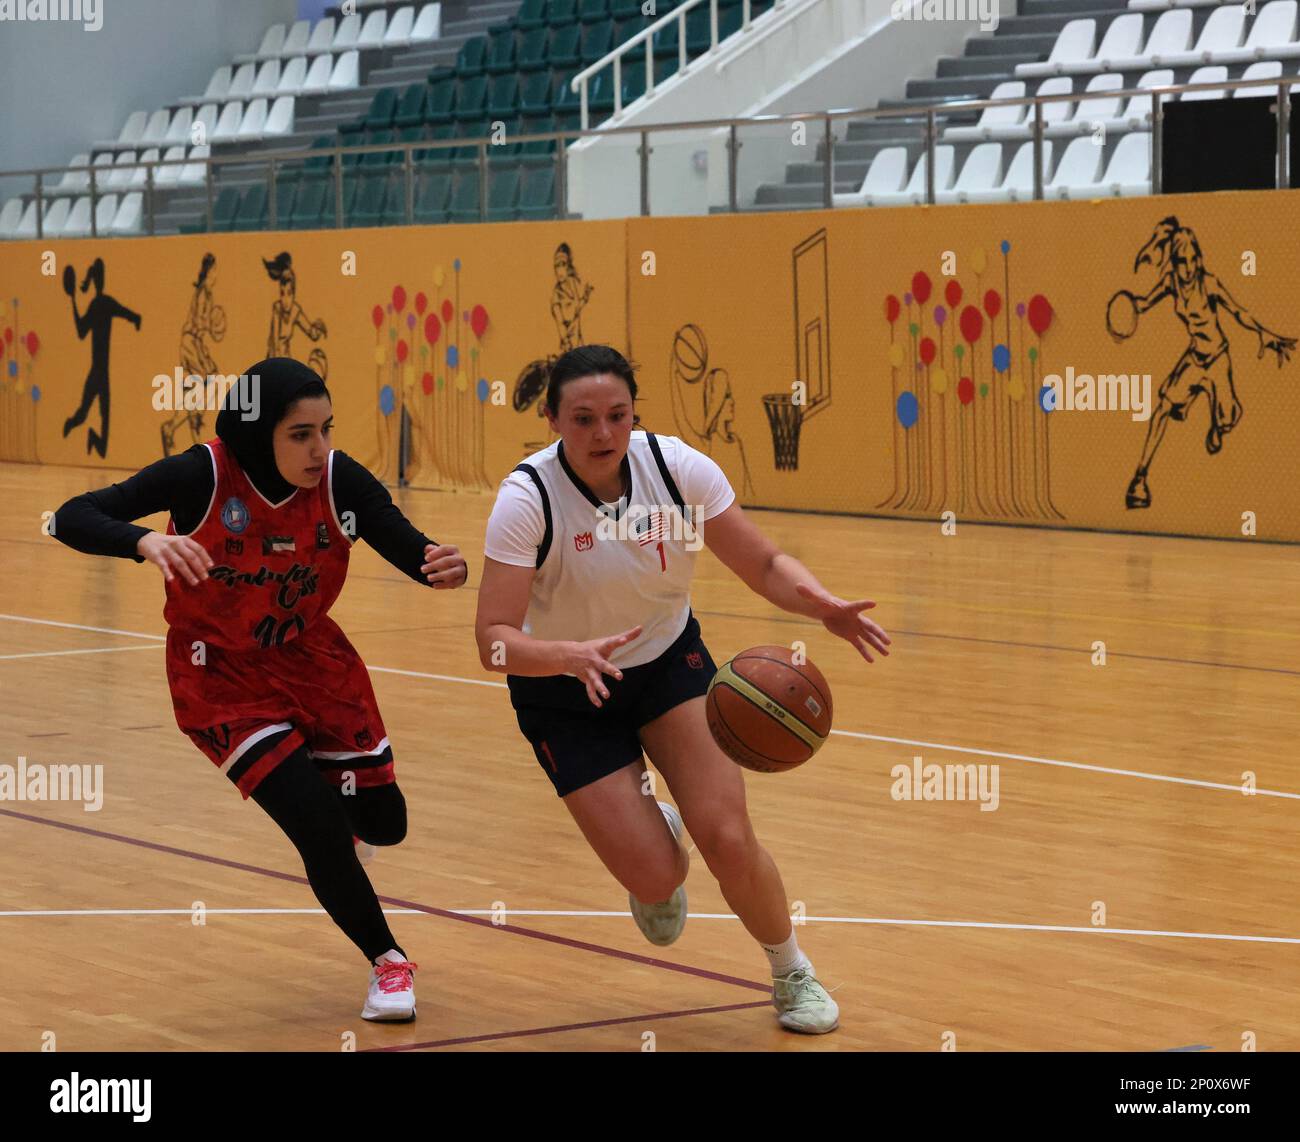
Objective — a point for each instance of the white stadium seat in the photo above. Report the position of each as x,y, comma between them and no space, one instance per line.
268,77
217,88
372,32
348,30
74,181
56,217
885,175
1074,44
10,215
318,76
1222,34
347,72
980,173
322,36
295,43
993,119
242,85
1079,169
169,176
428,24
279,121
253,122
232,115
292,76
1129,170
398,33
1264,69
78,223
130,134
1216,73
179,131
193,173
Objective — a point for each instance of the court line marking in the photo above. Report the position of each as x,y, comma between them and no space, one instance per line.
415,906
623,1019
1026,757
875,920
90,650
82,626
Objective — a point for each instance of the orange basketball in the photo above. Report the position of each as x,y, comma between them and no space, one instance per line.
767,712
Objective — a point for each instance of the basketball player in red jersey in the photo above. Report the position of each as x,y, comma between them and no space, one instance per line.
262,679
581,543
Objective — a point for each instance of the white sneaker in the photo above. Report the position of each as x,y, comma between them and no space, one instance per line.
662,923
802,1004
391,998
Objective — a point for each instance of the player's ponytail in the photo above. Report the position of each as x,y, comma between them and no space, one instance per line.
589,361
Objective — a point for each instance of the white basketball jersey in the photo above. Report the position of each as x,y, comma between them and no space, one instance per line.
604,568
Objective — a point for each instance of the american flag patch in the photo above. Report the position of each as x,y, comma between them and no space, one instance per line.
651,529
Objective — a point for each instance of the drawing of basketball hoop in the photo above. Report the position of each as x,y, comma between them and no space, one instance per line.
785,418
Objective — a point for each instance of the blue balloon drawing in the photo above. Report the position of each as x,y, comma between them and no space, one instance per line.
482,390
387,402
908,409
1001,358
453,356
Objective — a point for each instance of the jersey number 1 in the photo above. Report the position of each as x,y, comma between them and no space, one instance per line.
663,559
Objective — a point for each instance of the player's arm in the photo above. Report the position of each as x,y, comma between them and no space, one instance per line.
99,522
1154,296
1282,346
785,582
359,496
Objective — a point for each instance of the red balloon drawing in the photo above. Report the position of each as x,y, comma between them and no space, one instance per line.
972,324
921,286
399,298
952,292
1040,313
377,315
402,350
992,303
478,320
891,309
33,343
426,382
9,336
421,303
965,390
447,309
927,350
432,328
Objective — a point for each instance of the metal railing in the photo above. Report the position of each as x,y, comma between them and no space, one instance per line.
646,36
333,158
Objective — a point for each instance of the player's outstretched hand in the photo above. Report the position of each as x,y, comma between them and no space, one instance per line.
444,566
1282,346
587,661
176,555
843,619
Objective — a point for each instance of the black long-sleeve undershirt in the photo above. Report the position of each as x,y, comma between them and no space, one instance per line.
98,522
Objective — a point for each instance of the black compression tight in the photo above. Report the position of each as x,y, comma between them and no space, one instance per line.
320,822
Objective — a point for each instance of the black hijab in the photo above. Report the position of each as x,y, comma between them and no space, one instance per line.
279,382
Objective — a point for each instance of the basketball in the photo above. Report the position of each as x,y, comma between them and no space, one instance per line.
690,354
217,322
767,712
1122,315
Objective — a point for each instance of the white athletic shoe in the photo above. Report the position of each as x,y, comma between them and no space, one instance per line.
365,852
802,1004
391,998
662,923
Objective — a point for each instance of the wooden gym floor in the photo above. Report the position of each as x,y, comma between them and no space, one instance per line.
936,922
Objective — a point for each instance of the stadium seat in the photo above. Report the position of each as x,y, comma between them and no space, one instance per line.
272,43
73,181
227,128
532,14
411,106
216,90
293,76
225,208
993,119
1272,35
441,101
471,98
535,93
178,132
500,57
1074,45
130,134
56,217
155,131
253,123
77,225
345,75
279,120
1097,108
561,12
1264,69
398,32
428,24
268,77
371,34
503,195
194,173
311,203
469,61
537,193
980,173
169,175
241,86
1171,36
382,109
317,79
1129,170
1078,173
1215,73
565,50
464,205
295,43
503,98
1223,34
10,215
431,199
119,176
322,37
139,177
597,42
885,176
129,216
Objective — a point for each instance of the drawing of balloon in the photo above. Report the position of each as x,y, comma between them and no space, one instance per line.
1040,314
972,324
907,408
992,303
927,350
399,298
921,286
377,315
421,303
891,309
478,321
447,310
952,293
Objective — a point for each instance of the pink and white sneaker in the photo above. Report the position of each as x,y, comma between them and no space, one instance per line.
391,998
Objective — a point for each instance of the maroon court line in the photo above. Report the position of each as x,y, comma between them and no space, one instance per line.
414,906
564,1027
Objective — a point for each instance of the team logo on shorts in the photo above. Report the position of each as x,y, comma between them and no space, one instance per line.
322,537
234,515
583,542
363,739
695,660
278,544
234,547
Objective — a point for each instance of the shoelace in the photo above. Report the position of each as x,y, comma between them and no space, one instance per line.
395,975
801,983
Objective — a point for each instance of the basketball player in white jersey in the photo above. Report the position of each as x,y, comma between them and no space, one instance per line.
585,605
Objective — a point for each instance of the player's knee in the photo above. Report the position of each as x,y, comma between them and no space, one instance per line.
729,847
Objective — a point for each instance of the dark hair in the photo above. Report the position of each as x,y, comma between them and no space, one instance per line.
281,267
589,361
209,260
95,273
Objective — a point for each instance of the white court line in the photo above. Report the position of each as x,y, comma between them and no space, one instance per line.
92,650
509,912
80,626
1027,757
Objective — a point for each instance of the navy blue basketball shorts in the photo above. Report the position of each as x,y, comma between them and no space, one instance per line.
577,743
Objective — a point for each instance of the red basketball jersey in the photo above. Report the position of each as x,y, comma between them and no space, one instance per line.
276,567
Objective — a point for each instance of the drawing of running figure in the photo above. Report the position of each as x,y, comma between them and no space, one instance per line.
287,315
98,322
568,299
205,319
1206,363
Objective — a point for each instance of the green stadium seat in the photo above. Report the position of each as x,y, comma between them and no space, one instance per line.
539,150
537,193
631,9
380,158
284,196
431,200
441,102
474,129
439,156
633,80
464,197
225,208
531,14
566,99
471,98
371,190
600,94
469,61
503,100
591,11
509,150
310,202
503,195
535,93
395,204
597,42
411,107
532,50
562,12
252,209
666,40
501,54
566,50
382,108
